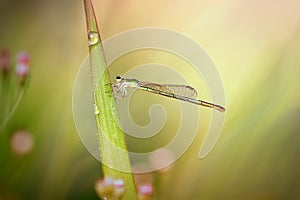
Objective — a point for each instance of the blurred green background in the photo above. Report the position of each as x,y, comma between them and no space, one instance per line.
256,48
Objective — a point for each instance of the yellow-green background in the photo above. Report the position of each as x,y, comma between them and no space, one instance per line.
256,48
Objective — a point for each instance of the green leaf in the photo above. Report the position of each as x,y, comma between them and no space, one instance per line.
110,136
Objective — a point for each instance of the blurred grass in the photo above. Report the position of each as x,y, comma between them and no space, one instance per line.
255,46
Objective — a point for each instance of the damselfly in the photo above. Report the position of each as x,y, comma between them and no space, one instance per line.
181,92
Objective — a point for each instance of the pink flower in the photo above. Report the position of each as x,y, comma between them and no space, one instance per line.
104,187
23,58
118,183
21,143
142,177
119,190
22,68
145,189
109,187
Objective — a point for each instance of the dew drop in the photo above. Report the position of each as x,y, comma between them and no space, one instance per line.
116,116
96,109
93,37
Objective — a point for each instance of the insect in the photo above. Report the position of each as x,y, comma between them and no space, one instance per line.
180,92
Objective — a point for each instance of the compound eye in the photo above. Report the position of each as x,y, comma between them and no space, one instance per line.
118,78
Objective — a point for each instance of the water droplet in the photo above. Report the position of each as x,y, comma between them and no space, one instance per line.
96,109
93,37
116,116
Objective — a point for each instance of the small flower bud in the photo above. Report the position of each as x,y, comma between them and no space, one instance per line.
119,190
104,187
4,61
110,188
145,177
22,68
145,191
23,58
21,143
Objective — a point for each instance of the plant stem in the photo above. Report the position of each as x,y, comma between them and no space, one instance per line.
12,107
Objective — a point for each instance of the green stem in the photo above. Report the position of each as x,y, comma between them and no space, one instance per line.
13,106
114,155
